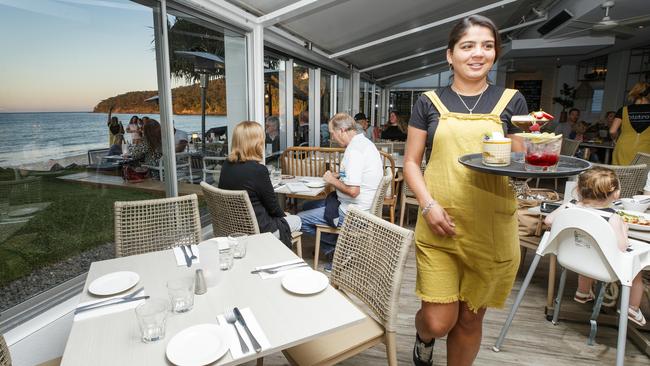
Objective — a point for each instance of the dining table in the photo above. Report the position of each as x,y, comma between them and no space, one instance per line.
286,319
608,147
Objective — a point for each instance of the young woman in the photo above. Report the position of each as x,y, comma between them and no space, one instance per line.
633,121
598,188
467,249
149,151
393,131
243,171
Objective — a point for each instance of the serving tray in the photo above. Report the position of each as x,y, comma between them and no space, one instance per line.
567,166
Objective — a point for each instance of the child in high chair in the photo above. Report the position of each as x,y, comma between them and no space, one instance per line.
597,188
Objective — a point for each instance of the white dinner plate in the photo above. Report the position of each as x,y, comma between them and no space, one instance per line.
320,184
23,211
113,283
198,345
305,282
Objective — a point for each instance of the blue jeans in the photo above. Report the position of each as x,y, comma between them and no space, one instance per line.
313,214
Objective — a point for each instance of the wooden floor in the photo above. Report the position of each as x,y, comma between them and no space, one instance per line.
532,340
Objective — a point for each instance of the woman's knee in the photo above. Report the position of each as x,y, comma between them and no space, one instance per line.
438,320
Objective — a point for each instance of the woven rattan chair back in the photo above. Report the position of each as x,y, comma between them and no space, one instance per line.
231,211
632,177
311,161
5,359
642,158
152,225
569,147
389,166
378,200
369,263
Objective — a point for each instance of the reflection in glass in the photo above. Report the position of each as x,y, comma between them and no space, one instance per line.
343,95
325,105
273,109
300,105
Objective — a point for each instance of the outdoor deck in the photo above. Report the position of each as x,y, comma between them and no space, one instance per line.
149,185
532,340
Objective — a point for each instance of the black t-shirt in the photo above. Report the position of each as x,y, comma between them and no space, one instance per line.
393,133
639,116
425,115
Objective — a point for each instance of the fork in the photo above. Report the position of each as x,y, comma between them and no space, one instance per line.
192,256
274,271
231,318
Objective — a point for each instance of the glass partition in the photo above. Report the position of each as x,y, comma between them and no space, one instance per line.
343,95
325,103
300,105
274,109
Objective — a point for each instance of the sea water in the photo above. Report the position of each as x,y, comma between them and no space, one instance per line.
27,138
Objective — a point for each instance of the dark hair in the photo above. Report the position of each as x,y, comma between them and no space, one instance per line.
394,111
574,109
459,30
610,112
134,119
151,132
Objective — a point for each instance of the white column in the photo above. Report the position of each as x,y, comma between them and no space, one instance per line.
165,100
333,95
288,97
256,73
282,107
354,91
565,74
373,101
237,94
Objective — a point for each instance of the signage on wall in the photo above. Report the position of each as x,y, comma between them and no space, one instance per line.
532,91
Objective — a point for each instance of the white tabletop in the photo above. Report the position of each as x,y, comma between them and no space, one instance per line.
312,192
286,319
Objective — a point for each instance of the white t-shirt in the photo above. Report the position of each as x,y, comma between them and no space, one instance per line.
361,167
179,136
647,183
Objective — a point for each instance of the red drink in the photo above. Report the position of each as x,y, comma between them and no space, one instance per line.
543,159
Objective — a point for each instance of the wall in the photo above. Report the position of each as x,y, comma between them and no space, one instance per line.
549,90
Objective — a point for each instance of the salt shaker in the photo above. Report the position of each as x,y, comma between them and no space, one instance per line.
199,283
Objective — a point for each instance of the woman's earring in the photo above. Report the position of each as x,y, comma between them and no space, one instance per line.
451,67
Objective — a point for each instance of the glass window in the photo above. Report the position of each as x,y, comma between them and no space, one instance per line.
274,122
300,105
343,95
65,68
362,96
325,107
597,101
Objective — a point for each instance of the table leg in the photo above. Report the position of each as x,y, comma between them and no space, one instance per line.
607,152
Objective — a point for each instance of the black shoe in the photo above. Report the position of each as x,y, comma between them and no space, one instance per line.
423,352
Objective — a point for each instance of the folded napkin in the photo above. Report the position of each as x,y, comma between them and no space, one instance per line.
284,270
233,340
180,257
105,310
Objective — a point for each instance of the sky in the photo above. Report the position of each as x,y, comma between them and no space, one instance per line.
68,55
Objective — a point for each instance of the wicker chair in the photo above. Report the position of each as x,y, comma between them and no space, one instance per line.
408,198
391,195
212,165
632,177
375,209
642,158
232,212
368,264
152,225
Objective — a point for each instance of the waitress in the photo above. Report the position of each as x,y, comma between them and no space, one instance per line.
467,248
633,121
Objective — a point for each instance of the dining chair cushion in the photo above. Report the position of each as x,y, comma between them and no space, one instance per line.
332,348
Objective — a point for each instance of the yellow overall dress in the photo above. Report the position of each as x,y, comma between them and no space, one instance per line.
630,142
478,265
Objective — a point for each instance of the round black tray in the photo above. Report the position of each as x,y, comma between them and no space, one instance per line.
568,166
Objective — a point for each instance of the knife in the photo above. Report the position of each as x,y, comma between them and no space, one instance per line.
276,267
188,260
81,310
240,318
125,297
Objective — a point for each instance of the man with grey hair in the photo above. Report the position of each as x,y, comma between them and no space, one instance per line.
358,179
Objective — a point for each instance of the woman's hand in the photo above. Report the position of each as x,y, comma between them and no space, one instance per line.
440,222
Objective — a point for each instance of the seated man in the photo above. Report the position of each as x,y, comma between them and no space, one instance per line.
361,172
180,139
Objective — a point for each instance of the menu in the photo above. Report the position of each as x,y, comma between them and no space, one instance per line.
532,91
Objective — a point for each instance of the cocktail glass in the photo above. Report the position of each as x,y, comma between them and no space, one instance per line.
542,155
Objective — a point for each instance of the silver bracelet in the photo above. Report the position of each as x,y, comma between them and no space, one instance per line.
428,207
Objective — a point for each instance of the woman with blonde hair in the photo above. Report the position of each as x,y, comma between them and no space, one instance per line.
243,171
633,121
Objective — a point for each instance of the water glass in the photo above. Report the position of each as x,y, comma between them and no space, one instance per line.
226,258
181,294
152,316
238,244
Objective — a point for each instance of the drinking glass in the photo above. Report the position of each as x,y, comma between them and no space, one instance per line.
542,156
238,244
226,258
181,294
152,316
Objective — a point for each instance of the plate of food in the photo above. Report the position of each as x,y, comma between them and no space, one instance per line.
636,220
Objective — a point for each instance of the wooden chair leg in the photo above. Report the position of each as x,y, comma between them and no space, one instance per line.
298,243
392,213
316,248
260,361
391,348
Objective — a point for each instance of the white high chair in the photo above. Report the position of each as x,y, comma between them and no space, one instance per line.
585,244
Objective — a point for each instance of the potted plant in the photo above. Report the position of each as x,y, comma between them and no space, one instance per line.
566,98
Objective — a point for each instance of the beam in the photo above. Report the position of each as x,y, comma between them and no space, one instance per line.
223,10
421,28
442,48
291,11
412,70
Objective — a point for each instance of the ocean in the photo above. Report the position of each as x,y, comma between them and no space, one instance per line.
27,138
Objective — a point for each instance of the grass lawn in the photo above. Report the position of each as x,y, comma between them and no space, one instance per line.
77,217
